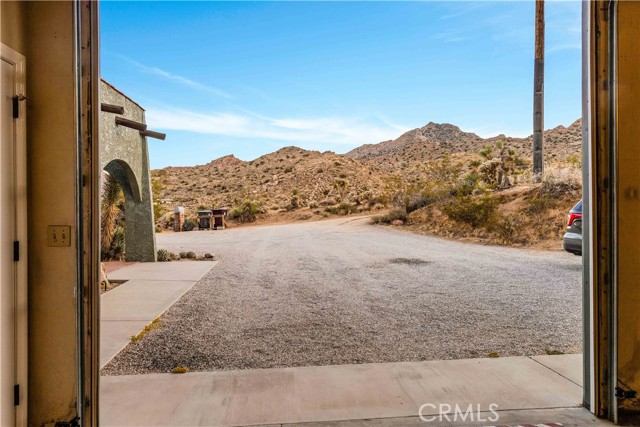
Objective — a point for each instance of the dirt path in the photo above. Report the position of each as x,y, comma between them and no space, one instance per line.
343,291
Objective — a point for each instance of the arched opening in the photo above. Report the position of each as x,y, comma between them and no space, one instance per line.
127,223
125,176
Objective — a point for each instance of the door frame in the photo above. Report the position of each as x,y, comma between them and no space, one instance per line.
18,61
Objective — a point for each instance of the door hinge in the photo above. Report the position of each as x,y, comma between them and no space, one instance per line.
16,107
16,394
625,394
16,251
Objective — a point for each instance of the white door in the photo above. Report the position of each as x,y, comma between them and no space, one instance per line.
13,229
7,237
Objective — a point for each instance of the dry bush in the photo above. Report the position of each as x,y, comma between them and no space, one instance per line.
246,212
508,228
562,182
343,208
164,255
390,217
477,212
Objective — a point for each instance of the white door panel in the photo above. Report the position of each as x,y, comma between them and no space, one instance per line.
7,236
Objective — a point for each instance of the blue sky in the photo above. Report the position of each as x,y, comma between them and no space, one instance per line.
247,78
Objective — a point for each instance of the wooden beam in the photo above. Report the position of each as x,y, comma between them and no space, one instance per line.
110,108
121,121
153,134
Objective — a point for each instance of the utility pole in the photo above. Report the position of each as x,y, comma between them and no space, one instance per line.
538,93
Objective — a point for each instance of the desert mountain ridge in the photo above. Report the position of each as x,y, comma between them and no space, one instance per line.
435,140
292,178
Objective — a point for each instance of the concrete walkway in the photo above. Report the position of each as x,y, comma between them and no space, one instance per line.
151,288
549,387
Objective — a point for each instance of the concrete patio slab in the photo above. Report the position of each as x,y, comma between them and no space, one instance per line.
332,393
141,299
569,366
151,288
174,270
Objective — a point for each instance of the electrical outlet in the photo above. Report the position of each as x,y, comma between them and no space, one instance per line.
58,235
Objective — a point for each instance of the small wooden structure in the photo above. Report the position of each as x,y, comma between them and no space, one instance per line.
219,218
212,219
205,219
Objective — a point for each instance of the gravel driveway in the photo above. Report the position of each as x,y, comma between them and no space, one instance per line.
343,291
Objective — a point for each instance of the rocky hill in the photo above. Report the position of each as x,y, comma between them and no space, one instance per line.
288,179
293,180
435,140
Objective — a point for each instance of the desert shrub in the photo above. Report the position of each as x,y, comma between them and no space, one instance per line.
506,227
117,248
418,203
390,217
476,213
575,161
444,175
375,200
486,151
407,196
343,208
340,183
474,163
294,203
468,184
246,212
164,255
188,225
188,255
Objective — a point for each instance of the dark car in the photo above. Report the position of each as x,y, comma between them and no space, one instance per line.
572,239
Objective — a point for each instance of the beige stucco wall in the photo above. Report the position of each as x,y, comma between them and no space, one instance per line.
12,24
51,162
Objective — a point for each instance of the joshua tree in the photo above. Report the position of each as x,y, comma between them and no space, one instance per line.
111,197
538,92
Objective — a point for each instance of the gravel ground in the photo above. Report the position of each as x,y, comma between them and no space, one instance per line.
343,291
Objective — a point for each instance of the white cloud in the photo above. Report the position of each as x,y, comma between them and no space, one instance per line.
321,130
176,78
